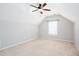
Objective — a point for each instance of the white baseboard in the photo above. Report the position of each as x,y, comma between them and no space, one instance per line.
59,39
13,45
65,40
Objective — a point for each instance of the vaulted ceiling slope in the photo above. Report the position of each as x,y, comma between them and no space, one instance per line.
22,12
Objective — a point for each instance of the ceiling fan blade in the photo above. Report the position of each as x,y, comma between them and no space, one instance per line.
39,7
33,6
41,12
44,4
35,10
47,9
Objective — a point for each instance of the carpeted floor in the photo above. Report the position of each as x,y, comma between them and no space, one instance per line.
42,47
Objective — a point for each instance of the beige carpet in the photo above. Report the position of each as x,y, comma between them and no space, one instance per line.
42,47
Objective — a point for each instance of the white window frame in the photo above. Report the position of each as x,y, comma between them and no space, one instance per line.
53,28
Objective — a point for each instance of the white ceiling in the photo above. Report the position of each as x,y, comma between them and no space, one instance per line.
70,11
23,12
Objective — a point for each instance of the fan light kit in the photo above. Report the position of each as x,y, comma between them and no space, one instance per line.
40,8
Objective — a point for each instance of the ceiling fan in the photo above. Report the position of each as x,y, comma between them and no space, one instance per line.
40,7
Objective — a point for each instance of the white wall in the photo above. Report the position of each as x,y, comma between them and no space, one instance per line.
21,13
16,25
65,28
0,40
77,35
15,32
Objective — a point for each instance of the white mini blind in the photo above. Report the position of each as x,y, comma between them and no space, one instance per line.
52,27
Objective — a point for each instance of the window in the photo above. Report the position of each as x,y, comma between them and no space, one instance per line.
52,27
